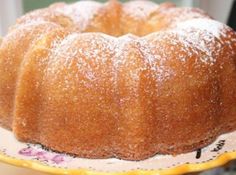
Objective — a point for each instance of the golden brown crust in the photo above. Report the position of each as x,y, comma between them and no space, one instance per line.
13,48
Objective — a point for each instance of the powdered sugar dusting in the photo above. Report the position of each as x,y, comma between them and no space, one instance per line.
214,27
189,26
199,43
156,63
175,15
81,12
139,9
121,49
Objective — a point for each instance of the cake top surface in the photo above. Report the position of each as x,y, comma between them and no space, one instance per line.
189,26
140,8
138,17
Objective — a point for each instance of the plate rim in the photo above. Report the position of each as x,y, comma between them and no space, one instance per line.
181,169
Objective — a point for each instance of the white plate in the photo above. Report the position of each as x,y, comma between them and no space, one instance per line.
36,157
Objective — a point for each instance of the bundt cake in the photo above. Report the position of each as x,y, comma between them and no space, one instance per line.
125,80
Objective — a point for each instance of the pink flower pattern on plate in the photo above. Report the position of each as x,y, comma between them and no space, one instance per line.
43,156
